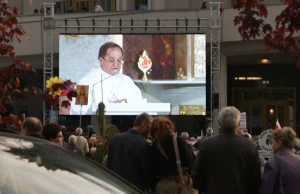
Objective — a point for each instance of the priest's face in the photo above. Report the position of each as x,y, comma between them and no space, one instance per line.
113,60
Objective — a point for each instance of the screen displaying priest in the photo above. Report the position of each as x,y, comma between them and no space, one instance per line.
107,83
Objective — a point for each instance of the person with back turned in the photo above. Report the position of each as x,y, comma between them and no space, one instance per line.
128,153
227,163
33,127
282,173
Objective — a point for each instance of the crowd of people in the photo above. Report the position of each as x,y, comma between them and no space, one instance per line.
154,159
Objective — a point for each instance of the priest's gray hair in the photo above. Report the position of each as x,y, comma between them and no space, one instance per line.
229,118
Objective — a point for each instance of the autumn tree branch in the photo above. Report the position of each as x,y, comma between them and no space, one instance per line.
251,24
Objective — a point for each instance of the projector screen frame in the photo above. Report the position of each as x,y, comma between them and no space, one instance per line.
213,24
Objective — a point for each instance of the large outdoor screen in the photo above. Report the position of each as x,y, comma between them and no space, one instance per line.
133,73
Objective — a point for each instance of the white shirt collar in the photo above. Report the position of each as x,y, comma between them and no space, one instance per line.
105,75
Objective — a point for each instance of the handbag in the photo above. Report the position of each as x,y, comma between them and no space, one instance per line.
281,191
181,184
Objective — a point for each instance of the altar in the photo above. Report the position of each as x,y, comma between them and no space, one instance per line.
136,109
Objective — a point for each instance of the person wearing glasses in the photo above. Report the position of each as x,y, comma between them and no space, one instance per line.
116,87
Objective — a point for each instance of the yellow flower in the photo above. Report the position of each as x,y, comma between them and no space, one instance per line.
57,93
53,80
49,84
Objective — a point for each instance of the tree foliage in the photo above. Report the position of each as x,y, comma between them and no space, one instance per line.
10,86
282,37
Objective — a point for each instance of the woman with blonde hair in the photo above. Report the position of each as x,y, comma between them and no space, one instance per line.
282,174
164,160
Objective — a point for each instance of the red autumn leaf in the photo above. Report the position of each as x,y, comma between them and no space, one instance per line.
278,38
12,34
17,82
268,48
15,11
267,28
72,94
262,10
10,85
2,109
251,24
2,29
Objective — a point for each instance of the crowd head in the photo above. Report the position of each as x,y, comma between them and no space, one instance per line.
32,126
185,136
283,139
142,123
229,119
161,128
209,131
53,133
78,131
72,139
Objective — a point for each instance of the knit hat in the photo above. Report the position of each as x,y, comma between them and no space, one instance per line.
90,127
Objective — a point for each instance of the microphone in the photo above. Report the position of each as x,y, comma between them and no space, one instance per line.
113,73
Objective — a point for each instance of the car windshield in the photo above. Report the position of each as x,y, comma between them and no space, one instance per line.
32,166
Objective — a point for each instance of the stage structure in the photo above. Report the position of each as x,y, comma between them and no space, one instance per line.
112,26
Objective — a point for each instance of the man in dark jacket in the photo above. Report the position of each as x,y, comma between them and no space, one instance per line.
227,163
128,153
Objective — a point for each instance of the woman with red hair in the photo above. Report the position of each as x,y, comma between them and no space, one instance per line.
164,166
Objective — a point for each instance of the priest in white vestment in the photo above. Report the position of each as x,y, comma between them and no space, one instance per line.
117,87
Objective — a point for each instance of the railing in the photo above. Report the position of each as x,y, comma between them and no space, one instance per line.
151,6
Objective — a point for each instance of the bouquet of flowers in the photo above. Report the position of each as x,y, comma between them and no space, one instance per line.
56,87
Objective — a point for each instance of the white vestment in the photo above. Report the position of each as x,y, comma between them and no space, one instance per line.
98,8
116,87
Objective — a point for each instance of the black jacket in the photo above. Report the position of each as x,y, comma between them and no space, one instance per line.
128,157
227,164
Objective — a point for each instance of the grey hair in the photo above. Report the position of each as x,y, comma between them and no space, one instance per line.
72,139
78,131
185,135
229,118
209,131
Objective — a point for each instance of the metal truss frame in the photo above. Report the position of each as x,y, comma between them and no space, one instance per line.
215,62
131,25
113,26
48,33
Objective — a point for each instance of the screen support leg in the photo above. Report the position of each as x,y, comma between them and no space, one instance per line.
80,115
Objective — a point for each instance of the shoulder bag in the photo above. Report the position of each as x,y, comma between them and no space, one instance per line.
181,184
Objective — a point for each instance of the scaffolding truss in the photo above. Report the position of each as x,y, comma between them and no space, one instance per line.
215,39
113,26
48,33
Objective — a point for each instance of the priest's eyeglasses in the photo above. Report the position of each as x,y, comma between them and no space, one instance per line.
113,61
